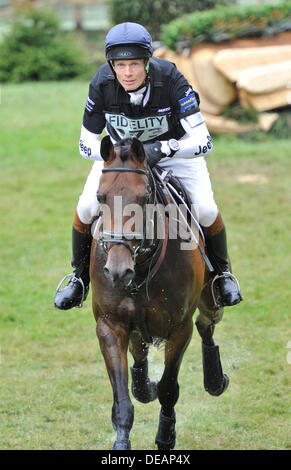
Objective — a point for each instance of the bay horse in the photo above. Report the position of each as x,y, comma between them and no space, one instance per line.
130,309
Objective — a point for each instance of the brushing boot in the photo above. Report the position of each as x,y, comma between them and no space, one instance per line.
215,381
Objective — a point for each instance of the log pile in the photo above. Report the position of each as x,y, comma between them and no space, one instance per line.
254,72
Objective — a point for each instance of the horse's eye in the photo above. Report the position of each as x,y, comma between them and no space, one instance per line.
144,199
101,198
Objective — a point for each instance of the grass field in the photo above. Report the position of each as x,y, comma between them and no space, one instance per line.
55,393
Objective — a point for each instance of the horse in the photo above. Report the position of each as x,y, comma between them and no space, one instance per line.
131,310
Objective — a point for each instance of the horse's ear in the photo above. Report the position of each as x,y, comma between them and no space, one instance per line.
106,148
138,150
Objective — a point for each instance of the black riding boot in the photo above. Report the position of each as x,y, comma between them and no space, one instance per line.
228,286
77,289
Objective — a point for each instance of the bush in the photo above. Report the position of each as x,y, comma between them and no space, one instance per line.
152,14
243,115
36,49
282,127
222,24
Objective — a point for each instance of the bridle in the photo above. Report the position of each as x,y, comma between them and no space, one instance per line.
155,254
116,238
122,169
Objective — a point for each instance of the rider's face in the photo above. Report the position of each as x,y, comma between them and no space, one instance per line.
130,73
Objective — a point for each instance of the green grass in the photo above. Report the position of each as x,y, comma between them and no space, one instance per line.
55,393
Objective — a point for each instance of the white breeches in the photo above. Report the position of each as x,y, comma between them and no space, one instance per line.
192,172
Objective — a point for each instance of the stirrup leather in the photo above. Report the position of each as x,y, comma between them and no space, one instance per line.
71,276
218,276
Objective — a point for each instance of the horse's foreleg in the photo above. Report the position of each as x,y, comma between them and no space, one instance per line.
168,387
114,343
143,389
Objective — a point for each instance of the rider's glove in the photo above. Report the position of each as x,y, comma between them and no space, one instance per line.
153,152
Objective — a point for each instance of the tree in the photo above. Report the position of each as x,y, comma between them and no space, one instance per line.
37,49
153,13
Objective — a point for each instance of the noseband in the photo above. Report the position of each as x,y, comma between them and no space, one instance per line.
121,238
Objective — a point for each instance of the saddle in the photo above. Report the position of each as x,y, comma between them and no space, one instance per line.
179,192
170,189
172,186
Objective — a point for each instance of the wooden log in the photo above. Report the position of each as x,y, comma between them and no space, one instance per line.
221,125
266,101
265,78
185,66
267,120
216,88
231,62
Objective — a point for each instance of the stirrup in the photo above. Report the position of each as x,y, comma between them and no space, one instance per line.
218,276
71,276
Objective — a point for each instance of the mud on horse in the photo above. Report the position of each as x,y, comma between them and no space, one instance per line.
122,266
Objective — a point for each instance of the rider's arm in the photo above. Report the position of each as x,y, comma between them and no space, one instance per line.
93,120
89,145
196,142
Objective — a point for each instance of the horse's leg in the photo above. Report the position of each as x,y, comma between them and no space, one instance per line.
168,387
114,344
142,388
215,381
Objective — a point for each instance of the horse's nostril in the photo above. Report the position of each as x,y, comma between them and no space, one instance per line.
119,277
107,273
128,276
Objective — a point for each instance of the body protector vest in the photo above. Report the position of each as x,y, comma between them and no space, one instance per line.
167,99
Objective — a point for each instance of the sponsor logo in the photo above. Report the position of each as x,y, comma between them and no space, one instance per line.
125,54
188,102
86,150
164,110
144,129
206,147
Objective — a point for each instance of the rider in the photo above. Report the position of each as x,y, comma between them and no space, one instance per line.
135,94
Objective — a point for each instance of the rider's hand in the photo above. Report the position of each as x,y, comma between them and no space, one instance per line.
153,152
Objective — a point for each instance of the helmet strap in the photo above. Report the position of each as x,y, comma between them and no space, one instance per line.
110,63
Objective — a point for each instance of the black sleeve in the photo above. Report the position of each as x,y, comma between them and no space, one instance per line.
93,119
185,100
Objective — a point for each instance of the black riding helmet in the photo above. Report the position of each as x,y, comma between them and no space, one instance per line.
127,41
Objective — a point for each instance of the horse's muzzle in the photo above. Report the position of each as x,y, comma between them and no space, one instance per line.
119,279
119,268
